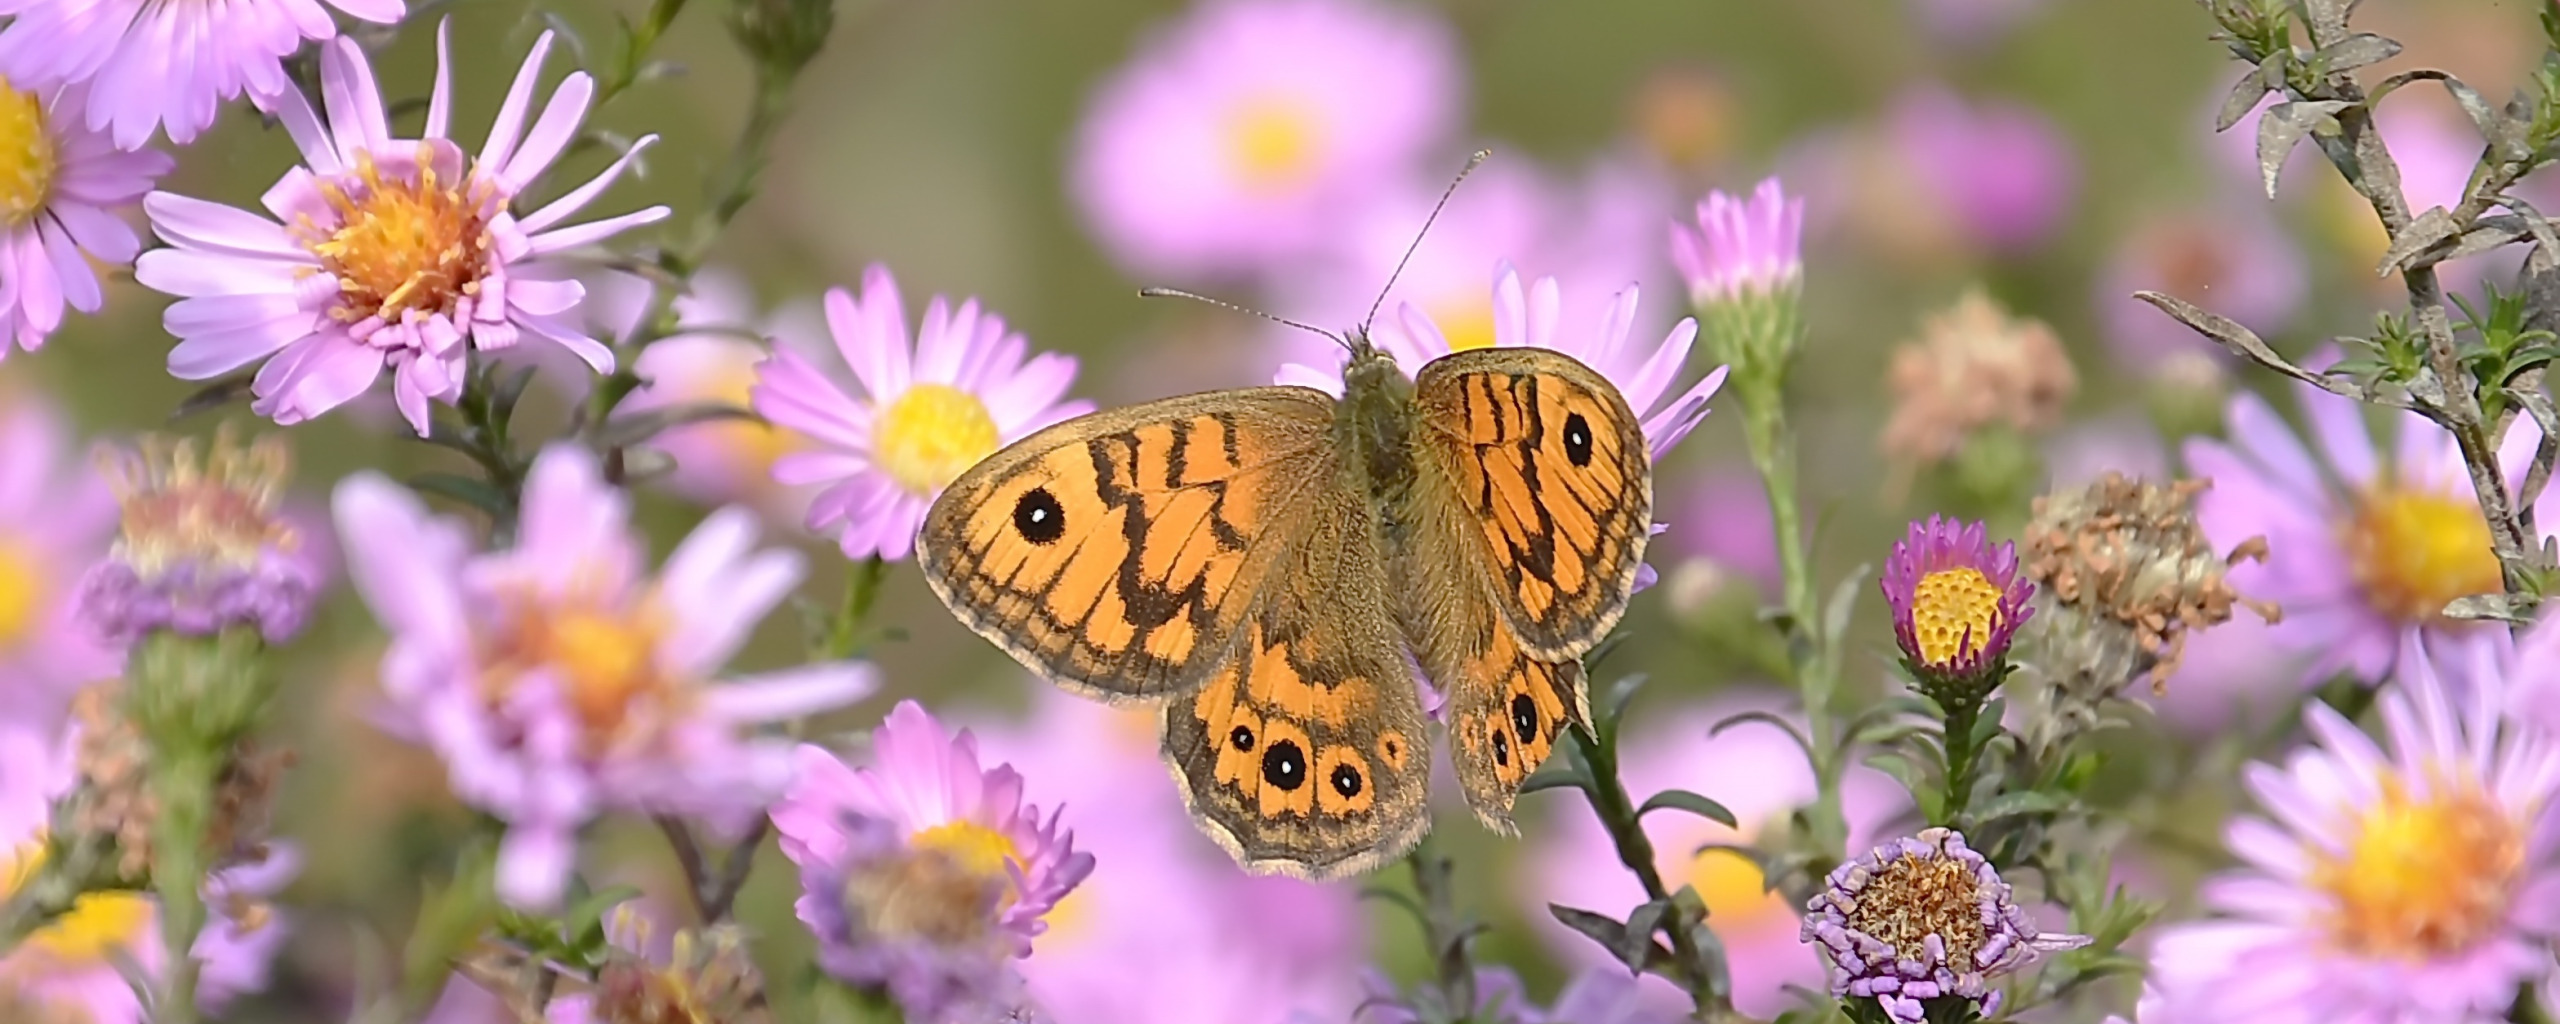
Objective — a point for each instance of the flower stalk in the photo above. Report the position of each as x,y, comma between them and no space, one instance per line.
193,699
1618,815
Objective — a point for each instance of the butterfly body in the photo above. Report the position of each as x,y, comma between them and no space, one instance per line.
1261,562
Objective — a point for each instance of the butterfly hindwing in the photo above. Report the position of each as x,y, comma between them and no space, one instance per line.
1117,553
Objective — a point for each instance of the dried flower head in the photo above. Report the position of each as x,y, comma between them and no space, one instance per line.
202,547
708,978
112,799
2127,558
1974,366
1922,919
1957,603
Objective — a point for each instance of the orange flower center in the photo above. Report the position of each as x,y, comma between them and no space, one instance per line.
606,659
22,590
404,243
2423,877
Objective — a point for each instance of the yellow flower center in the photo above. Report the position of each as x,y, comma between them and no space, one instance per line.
2415,550
1466,325
28,162
2423,877
1737,896
1952,612
97,923
21,593
1272,142
605,656
973,847
403,244
931,435
756,446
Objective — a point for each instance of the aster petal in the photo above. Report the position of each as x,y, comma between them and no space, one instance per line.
564,239
792,693
2274,447
578,198
718,587
354,102
440,96
401,560
552,132
509,124
198,224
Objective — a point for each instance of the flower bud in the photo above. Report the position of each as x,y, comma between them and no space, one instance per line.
783,34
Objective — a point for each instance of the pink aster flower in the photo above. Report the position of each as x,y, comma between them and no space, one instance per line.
2003,174
149,64
918,415
62,187
2234,258
1957,600
68,969
2364,542
1742,247
385,253
1238,136
558,681
1570,860
2412,879
1921,925
56,519
921,873
2535,695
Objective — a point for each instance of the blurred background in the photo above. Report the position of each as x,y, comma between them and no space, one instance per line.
2053,155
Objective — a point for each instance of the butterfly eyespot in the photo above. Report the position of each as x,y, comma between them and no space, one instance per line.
1524,717
1577,439
1242,737
1284,766
1346,780
1038,517
1501,748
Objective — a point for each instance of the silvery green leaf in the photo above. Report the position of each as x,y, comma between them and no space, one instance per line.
1844,602
2284,125
2430,229
2486,233
2500,607
632,429
1609,932
1635,947
2359,50
2327,20
1683,800
2244,342
2388,85
2493,125
2245,95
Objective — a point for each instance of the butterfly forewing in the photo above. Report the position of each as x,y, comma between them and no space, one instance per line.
1117,553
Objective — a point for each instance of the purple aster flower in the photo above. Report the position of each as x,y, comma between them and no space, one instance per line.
149,64
62,187
921,873
1239,135
918,416
2535,695
2232,257
557,680
56,520
1957,602
1742,247
1573,862
203,546
2001,172
1922,919
2412,879
385,253
2364,541
70,966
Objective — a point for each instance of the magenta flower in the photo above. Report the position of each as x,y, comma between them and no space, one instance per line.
149,64
1920,920
69,967
397,254
1572,861
1240,135
2412,879
2364,542
1742,247
62,187
557,681
56,519
918,417
2001,172
2234,258
921,873
1957,601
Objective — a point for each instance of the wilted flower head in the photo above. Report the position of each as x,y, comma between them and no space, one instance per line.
708,979
1741,246
921,873
113,803
1973,366
557,679
202,546
1957,603
2124,566
1922,919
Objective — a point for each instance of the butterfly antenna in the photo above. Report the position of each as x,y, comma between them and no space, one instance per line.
1177,293
1477,157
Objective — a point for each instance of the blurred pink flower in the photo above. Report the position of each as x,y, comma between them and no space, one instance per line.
57,518
2003,172
1725,518
69,966
710,360
2364,543
1571,861
922,873
149,64
1239,136
918,417
2534,692
2412,879
384,253
1595,236
1233,948
557,681
1972,23
1595,995
2232,258
62,190
1742,247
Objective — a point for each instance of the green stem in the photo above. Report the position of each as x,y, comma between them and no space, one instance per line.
1773,454
1617,813
1960,757
845,637
182,780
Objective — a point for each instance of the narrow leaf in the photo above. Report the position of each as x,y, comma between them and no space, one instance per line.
1635,945
213,396
2282,127
2244,98
1600,928
475,493
1772,720
2493,125
2429,230
2362,49
624,431
1683,800
2018,802
1563,771
1843,603
2245,342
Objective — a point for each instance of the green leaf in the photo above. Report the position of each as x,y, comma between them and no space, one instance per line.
2363,49
1608,931
1563,771
1843,603
467,490
1771,719
2245,94
1613,706
2284,125
624,431
213,396
1635,946
1683,800
2019,802
1919,781
2429,230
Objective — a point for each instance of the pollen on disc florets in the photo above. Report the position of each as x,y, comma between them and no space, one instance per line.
1922,919
413,237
